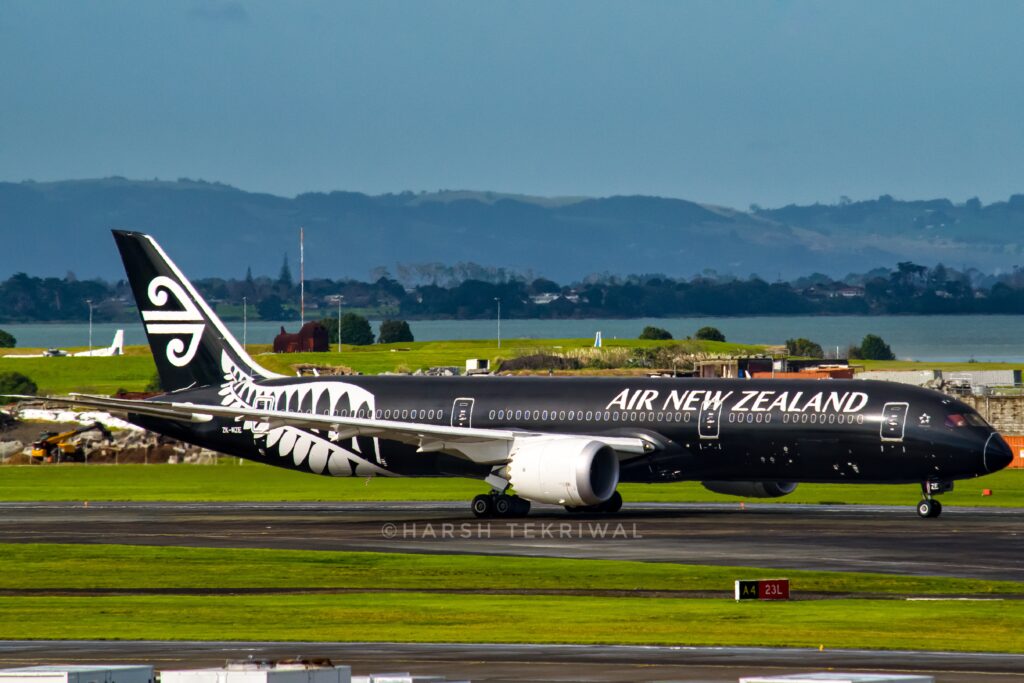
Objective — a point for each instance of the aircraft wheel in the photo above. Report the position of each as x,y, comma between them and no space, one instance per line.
613,504
927,508
521,507
503,506
482,506
936,508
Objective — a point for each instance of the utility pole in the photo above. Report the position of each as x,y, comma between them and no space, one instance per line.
89,301
498,299
245,321
340,297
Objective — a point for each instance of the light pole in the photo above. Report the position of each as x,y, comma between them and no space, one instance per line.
498,299
340,297
89,301
245,321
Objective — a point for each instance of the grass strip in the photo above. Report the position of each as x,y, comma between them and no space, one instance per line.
425,617
79,567
255,482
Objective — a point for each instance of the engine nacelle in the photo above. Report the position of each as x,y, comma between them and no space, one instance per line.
751,489
564,471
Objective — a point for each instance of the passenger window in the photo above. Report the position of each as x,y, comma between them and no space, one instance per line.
491,415
561,415
545,414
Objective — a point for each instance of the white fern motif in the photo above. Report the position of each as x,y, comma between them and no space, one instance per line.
322,454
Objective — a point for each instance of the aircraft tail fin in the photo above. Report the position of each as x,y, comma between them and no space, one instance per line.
191,346
117,346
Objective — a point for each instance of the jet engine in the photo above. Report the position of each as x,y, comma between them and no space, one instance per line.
564,471
751,489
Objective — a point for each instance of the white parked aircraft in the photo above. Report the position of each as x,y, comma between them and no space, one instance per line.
116,348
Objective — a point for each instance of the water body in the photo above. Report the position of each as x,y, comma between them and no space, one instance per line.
928,338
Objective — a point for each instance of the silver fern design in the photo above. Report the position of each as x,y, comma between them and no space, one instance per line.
321,451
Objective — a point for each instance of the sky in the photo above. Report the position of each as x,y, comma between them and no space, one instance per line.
729,103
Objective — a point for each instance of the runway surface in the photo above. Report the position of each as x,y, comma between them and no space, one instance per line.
965,542
493,663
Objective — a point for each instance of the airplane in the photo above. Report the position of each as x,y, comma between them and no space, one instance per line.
565,441
116,348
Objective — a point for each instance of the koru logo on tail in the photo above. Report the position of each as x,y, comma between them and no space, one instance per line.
187,321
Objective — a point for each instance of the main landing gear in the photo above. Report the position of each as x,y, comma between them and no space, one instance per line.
929,507
496,504
608,507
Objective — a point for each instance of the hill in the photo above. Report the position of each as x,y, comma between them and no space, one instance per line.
214,229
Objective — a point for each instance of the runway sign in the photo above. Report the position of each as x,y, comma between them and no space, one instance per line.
763,589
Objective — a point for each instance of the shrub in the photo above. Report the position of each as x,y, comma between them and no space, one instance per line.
7,340
394,331
17,383
710,334
804,347
651,332
873,347
354,329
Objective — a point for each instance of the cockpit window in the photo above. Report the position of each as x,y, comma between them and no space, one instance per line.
957,420
975,420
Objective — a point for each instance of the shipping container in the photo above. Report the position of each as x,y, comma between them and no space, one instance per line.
69,673
1017,446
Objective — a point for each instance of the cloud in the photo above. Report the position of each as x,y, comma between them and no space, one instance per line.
220,11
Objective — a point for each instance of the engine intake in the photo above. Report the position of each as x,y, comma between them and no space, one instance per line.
751,489
564,471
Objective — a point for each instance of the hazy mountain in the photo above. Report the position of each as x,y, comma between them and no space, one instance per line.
214,229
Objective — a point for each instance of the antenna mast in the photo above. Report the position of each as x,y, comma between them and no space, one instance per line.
302,277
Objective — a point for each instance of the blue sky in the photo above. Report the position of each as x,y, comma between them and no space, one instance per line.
729,103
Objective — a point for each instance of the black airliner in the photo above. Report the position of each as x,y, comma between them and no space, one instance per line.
563,441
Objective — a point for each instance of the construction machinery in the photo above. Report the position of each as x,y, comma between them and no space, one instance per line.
60,447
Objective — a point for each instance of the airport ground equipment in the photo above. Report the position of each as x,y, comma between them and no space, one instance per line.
59,447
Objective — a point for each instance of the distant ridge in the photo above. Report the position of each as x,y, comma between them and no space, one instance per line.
220,230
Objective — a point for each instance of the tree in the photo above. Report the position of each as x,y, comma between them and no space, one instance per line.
804,347
285,277
652,332
270,308
17,383
354,328
710,334
394,331
872,347
7,340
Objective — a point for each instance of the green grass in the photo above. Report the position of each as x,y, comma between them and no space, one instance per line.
377,358
123,567
87,375
252,481
406,606
426,617
135,369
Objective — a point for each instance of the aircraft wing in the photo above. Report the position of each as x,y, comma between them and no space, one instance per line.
479,445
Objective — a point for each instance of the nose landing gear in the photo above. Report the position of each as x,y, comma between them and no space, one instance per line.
929,507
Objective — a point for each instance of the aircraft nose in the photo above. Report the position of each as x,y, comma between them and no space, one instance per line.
998,453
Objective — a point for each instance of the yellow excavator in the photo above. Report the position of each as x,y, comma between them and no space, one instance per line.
58,447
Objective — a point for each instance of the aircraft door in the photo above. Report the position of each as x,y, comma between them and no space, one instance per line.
710,419
462,412
263,403
894,421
